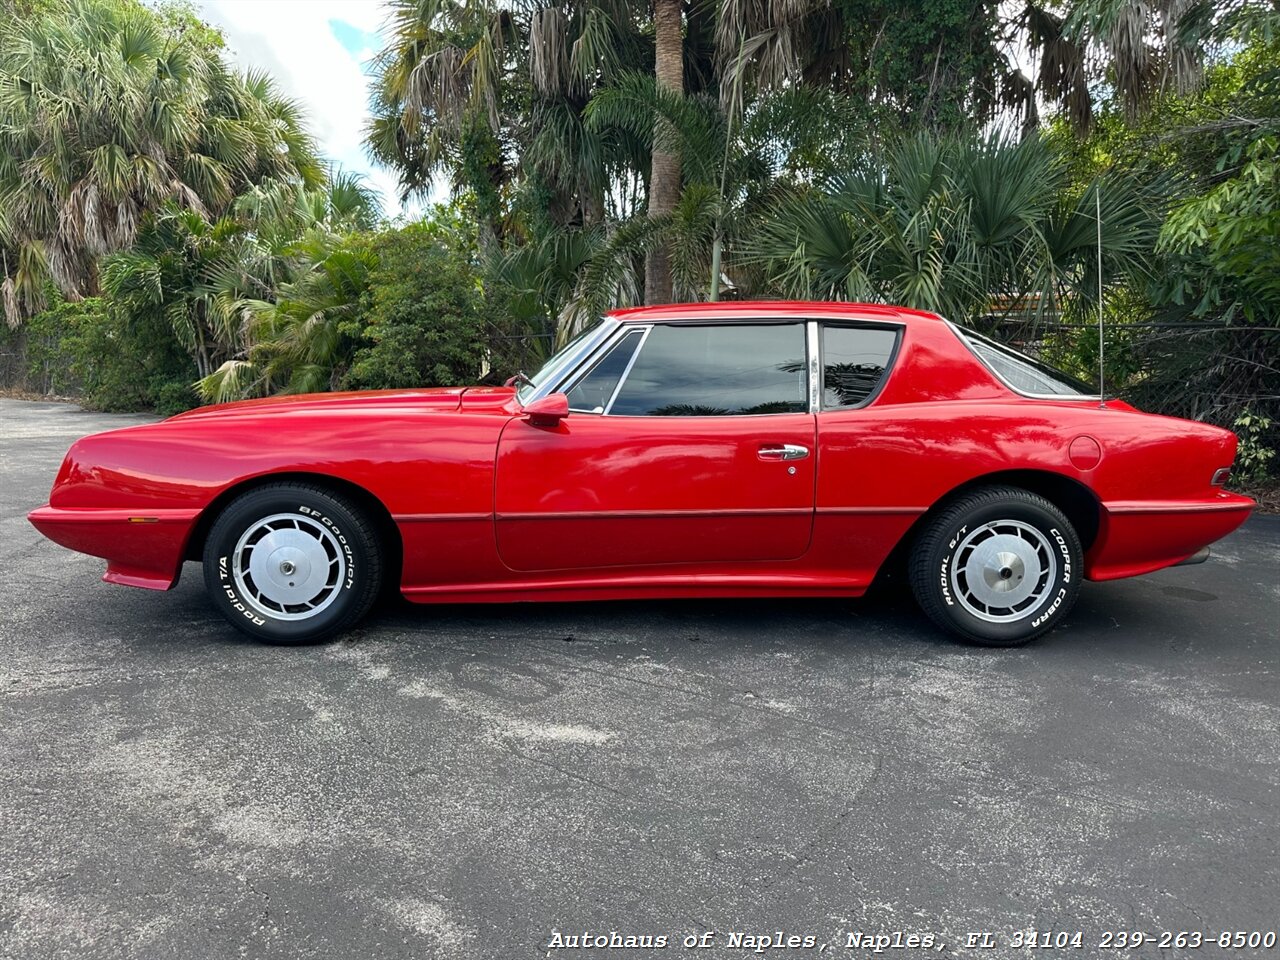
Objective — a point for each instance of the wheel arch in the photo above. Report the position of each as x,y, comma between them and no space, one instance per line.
1069,495
376,510
1080,505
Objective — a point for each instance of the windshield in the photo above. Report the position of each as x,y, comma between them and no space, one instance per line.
1020,371
560,360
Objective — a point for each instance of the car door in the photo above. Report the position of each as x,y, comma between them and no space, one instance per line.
864,503
687,443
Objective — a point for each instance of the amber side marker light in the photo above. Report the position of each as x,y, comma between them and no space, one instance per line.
1221,476
144,519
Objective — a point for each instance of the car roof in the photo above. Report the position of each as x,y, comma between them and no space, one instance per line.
747,310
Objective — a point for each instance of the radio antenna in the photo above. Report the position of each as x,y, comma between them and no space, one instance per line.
1102,370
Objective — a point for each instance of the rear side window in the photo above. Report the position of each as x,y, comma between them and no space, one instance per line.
1021,372
708,371
854,362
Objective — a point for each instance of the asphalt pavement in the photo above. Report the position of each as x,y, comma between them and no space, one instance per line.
482,782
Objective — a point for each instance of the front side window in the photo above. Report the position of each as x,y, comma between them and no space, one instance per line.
563,358
854,361
708,371
592,393
1021,372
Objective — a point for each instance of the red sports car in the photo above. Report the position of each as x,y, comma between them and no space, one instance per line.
709,450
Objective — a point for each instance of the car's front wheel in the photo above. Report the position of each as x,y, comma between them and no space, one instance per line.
292,563
1000,566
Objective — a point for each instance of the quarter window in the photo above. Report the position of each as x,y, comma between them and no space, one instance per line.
1021,372
708,371
854,361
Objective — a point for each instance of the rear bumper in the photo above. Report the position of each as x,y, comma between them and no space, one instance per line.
143,548
1137,537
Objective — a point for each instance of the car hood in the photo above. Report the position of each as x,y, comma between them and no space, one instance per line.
435,399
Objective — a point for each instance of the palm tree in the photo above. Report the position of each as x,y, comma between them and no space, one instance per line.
572,49
557,285
438,88
297,343
954,225
194,274
279,212
664,176
465,87
109,112
733,165
209,279
300,274
1140,49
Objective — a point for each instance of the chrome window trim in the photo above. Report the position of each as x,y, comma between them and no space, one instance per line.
813,337
891,362
593,348
964,342
589,364
624,328
613,397
605,331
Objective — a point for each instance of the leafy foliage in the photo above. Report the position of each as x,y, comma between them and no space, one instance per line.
108,111
400,307
1225,238
1212,301
952,225
112,360
185,273
1254,457
423,317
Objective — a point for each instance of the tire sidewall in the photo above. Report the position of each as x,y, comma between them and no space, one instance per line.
257,505
1058,598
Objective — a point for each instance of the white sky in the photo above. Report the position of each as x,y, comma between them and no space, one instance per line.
317,51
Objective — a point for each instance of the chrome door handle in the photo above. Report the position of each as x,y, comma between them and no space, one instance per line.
785,451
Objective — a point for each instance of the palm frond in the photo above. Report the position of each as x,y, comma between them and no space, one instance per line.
233,380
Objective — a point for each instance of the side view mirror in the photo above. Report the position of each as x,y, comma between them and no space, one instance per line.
547,411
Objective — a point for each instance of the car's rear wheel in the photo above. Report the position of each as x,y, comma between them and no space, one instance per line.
1000,566
292,563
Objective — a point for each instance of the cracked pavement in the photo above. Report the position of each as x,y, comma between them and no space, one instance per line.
467,781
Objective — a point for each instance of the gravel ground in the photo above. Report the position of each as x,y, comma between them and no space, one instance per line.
476,782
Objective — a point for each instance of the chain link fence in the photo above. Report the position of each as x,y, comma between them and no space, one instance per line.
1214,373
1208,372
33,363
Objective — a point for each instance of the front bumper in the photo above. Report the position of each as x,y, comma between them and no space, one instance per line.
143,548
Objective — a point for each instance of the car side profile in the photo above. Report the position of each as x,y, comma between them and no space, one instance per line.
773,449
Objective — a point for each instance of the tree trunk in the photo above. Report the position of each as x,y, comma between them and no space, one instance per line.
592,205
664,176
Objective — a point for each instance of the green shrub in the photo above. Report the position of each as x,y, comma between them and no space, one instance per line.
130,363
36,354
110,361
1253,456
423,321
171,396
